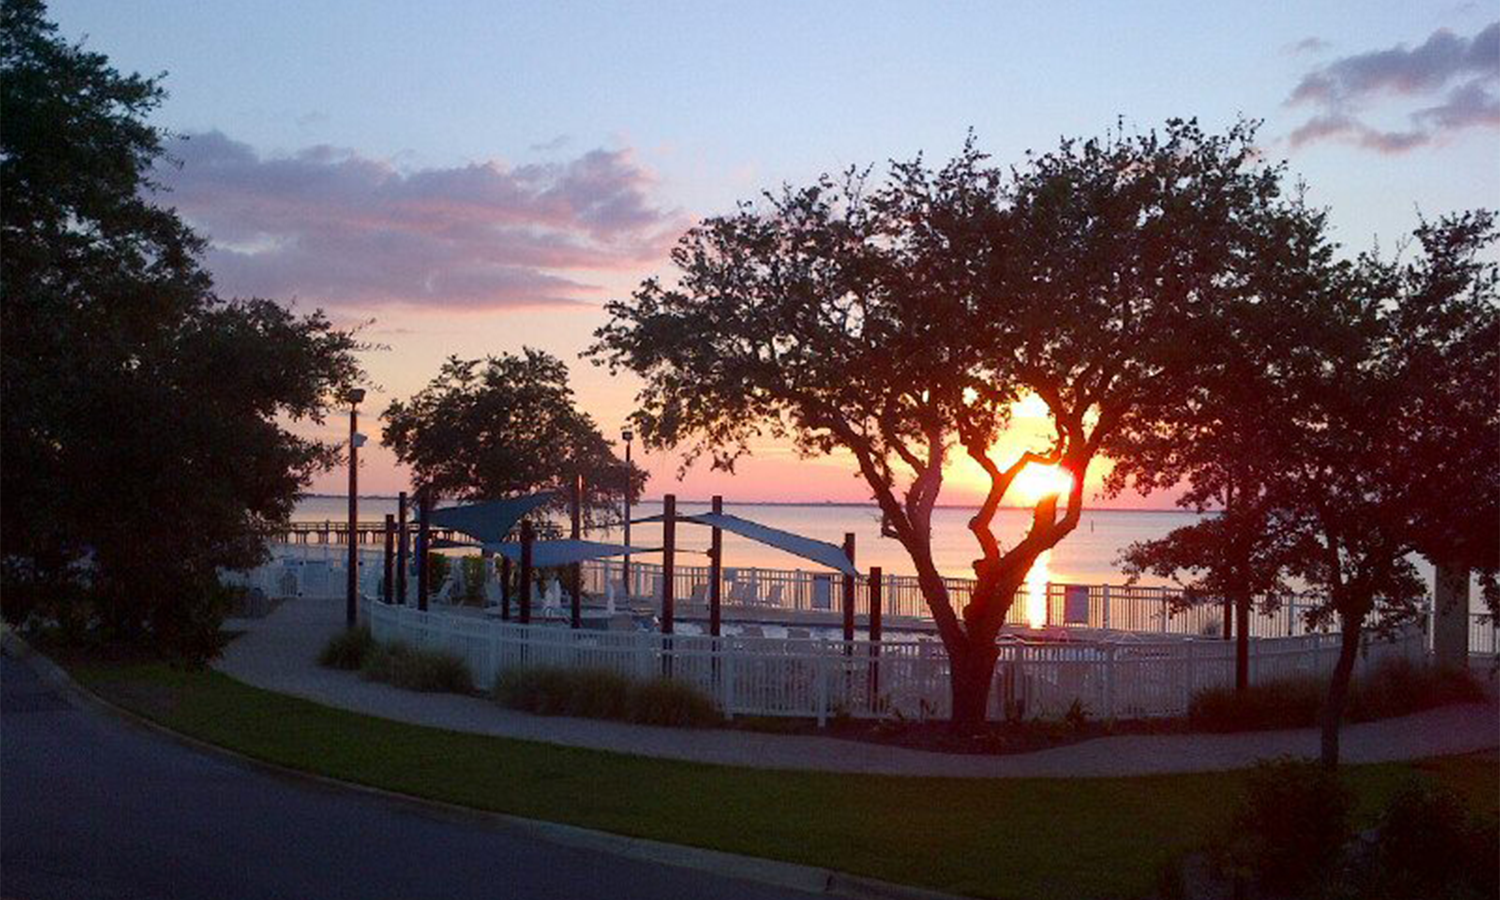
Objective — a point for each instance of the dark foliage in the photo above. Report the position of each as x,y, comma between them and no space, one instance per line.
601,694
505,426
1395,688
900,322
143,434
347,649
416,669
1289,829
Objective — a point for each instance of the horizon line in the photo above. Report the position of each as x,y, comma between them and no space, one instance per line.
869,504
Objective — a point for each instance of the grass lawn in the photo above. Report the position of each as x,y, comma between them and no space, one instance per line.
1013,838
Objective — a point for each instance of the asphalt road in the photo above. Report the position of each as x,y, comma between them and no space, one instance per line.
91,808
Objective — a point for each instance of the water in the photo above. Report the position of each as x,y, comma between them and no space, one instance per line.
1087,556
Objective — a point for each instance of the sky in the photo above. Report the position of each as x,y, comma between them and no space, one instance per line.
470,178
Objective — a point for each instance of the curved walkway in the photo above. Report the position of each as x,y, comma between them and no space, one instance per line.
279,653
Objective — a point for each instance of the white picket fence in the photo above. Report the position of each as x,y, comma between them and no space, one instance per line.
813,678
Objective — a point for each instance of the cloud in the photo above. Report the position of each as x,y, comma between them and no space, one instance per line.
1310,45
333,227
1461,70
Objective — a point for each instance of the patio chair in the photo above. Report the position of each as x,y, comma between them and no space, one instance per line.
749,593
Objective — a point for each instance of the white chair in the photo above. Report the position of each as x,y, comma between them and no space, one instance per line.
774,598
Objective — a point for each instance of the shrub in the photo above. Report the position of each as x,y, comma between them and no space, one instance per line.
1429,844
1424,842
592,693
1290,703
347,649
601,694
474,570
1290,827
664,702
1396,687
437,570
414,669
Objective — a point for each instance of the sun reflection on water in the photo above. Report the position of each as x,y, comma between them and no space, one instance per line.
1036,591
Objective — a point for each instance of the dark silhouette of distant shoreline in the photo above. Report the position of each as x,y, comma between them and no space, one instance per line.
830,504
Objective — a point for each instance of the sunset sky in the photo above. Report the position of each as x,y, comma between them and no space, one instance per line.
475,178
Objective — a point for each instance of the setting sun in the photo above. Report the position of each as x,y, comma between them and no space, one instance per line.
1036,482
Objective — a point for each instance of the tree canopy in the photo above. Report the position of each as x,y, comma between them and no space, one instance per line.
900,321
503,426
144,431
1351,421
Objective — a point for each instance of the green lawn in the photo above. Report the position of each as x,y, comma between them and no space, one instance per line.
1013,838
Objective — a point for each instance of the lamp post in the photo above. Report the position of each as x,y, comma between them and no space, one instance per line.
628,435
351,607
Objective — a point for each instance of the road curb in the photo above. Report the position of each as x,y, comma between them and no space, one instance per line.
792,876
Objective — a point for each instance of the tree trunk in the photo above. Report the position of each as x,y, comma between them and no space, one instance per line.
1338,689
1241,643
973,669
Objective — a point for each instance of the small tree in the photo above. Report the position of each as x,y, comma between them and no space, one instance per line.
900,324
503,426
1398,436
1218,439
1403,435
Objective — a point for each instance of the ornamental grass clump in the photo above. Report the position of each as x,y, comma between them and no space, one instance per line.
1287,703
414,669
1398,687
549,691
1395,687
602,694
347,649
664,702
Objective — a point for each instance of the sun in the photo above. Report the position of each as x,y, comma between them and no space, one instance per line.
1038,481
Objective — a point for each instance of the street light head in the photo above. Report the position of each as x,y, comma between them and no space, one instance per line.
627,434
356,395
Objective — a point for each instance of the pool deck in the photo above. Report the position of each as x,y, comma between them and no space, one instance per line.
279,653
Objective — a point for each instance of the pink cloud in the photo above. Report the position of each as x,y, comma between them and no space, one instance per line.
1463,70
335,227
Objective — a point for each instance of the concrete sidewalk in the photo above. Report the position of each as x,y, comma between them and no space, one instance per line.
279,653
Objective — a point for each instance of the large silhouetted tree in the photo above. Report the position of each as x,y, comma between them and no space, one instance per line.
900,321
504,426
143,431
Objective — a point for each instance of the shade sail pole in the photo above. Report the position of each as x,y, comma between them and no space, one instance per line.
387,586
668,570
668,560
875,627
424,543
527,537
715,571
575,572
504,588
849,592
401,549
